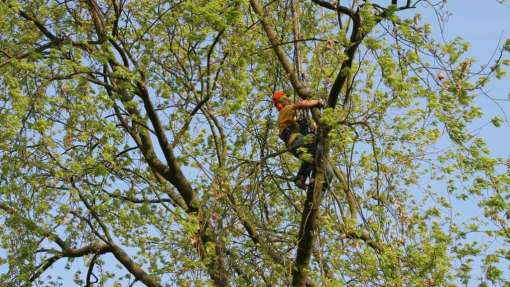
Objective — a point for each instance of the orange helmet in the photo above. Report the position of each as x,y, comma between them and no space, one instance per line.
277,96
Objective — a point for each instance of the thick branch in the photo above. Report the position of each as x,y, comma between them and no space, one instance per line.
117,7
39,25
119,253
173,173
296,27
344,73
95,13
31,225
132,267
93,248
366,238
144,143
300,89
308,229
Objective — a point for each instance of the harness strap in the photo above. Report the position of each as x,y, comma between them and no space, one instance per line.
285,134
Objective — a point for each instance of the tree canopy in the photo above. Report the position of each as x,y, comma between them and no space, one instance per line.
138,140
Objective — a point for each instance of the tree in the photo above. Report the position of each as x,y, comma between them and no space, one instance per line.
139,132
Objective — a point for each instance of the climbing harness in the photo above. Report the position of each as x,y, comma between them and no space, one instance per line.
286,133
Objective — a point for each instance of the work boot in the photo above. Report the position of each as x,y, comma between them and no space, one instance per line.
300,182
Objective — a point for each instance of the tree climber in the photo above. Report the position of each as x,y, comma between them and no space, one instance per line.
293,132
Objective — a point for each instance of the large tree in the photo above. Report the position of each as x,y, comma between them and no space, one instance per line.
137,138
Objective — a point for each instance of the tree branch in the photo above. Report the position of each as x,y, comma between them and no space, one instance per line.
335,7
344,73
138,200
118,252
39,25
173,172
300,89
39,49
308,228
97,18
366,238
31,225
132,267
90,271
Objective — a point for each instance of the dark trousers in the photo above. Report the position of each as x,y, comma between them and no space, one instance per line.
298,148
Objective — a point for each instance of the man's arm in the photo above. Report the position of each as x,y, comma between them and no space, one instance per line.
308,104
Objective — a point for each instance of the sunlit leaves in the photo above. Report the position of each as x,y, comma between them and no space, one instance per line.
72,118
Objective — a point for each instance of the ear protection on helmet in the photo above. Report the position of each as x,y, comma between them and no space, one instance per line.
277,96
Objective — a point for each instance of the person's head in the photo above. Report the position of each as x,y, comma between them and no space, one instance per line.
280,100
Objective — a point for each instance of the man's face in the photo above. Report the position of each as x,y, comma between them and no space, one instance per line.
282,102
285,101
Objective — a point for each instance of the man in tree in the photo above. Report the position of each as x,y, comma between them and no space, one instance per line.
293,133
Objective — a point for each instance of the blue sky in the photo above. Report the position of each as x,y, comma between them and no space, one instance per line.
484,26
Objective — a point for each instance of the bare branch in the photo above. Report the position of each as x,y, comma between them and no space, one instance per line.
137,200
90,271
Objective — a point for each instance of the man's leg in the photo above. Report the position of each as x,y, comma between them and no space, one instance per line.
300,149
304,171
305,153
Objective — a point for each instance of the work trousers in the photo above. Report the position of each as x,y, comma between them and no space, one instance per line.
298,148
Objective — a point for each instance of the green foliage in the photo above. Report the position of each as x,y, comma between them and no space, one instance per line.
161,139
